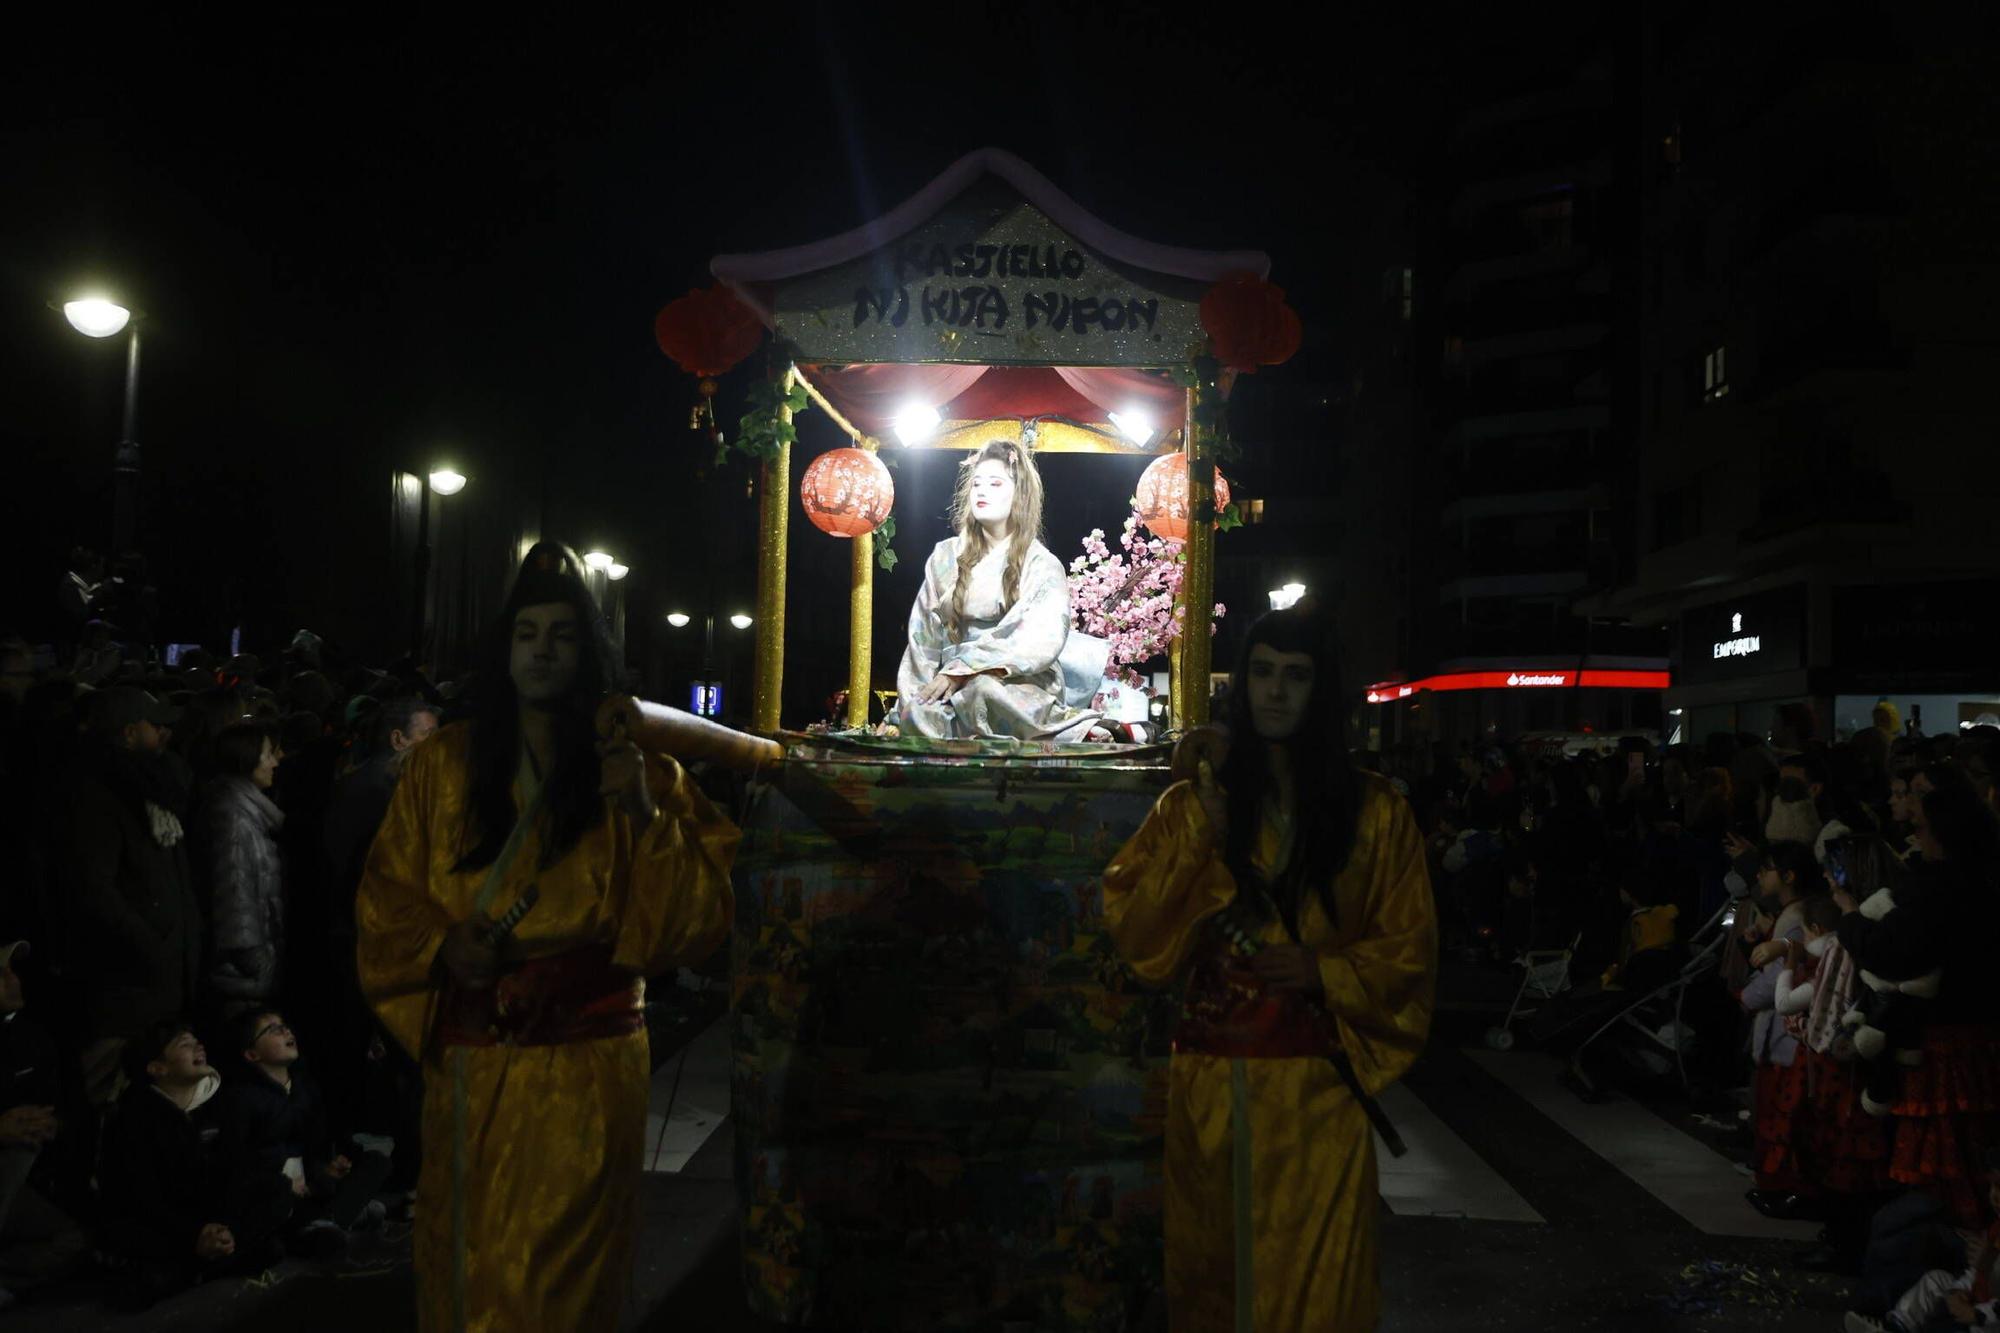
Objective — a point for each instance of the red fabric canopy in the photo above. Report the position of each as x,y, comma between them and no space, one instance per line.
870,396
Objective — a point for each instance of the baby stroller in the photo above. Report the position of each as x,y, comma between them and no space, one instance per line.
1544,976
1651,1021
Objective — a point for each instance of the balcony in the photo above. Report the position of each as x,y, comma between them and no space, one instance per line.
1484,560
1566,337
1512,503
1536,266
1471,430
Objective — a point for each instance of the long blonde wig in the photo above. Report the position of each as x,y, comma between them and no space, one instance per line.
1024,525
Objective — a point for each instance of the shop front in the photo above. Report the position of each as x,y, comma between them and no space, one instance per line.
1488,700
1930,648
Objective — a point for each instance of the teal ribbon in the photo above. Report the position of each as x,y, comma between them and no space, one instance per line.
1239,1181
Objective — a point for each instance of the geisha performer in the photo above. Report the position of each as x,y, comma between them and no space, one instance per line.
992,617
1288,890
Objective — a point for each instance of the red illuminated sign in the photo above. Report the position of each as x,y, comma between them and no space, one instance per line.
1390,691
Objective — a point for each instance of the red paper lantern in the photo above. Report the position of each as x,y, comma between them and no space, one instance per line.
708,332
1248,323
847,492
1162,499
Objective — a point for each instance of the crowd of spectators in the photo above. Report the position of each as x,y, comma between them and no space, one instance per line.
183,849
1846,892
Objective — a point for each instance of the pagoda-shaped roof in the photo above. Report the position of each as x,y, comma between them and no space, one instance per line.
989,264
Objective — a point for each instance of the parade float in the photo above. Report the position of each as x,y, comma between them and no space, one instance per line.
948,1092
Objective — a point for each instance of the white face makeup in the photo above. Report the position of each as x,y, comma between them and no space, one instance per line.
1280,688
992,495
546,651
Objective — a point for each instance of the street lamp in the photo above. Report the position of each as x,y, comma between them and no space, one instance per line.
598,560
95,317
1285,598
441,482
678,619
740,620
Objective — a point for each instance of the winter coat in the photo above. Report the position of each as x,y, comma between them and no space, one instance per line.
360,803
264,1126
134,954
1770,1044
158,1175
246,890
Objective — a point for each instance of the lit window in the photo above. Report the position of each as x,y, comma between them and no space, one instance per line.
1253,511
1409,299
1715,375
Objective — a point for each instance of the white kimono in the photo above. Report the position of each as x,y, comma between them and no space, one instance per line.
1021,643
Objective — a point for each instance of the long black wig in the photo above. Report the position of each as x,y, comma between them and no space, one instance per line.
1327,786
551,573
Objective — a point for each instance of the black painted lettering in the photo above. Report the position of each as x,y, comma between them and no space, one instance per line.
1017,261
985,264
1146,310
1084,312
1072,264
937,262
964,253
1114,315
936,305
995,304
1038,306
869,301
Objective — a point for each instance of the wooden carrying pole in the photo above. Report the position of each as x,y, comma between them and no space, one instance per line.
663,730
774,516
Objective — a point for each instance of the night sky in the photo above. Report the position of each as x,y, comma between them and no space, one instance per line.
359,246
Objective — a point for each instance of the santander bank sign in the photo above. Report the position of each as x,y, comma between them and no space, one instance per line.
1544,678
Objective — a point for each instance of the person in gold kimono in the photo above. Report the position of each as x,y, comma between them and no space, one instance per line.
532,1039
1288,892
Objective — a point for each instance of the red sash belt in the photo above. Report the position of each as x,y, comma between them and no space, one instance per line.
552,1001
1229,1013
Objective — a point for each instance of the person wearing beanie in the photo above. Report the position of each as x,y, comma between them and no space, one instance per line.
607,865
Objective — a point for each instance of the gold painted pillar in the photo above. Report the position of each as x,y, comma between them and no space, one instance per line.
774,518
861,615
1198,579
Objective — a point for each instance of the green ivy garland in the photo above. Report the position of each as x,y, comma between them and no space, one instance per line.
765,428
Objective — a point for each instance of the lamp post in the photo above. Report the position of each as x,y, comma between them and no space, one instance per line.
95,317
1283,599
443,482
606,569
681,620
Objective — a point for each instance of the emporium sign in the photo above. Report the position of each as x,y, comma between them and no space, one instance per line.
990,279
1743,645
1747,636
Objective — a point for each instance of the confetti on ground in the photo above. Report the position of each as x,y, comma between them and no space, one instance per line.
1710,1286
